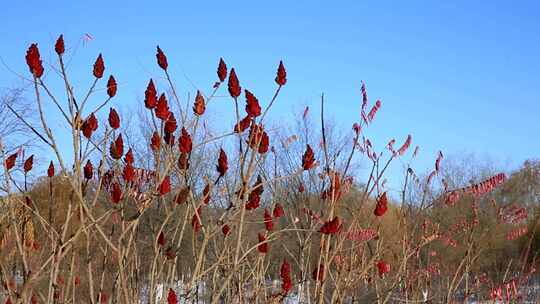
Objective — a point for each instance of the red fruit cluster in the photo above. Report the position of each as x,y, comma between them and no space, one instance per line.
281,77
185,144
165,186
89,126
59,45
278,211
10,161
308,159
162,108
111,87
331,227
33,61
226,230
155,142
50,170
222,70
161,239
222,165
88,170
243,124
206,194
254,200
253,109
128,174
170,125
150,95
199,106
258,139
161,59
382,205
99,67
171,297
28,164
128,158
383,267
117,147
116,193
234,84
114,119
286,281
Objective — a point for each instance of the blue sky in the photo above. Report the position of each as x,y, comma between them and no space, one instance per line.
457,75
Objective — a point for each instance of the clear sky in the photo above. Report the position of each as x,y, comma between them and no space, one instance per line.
457,75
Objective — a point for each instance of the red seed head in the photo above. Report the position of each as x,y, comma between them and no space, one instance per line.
116,193
165,186
171,297
129,159
226,230
117,147
99,67
382,205
155,142
161,239
242,125
222,165
162,108
184,143
150,95
265,143
28,164
308,159
254,200
383,267
50,170
170,124
161,59
89,126
33,61
114,119
206,194
111,87
331,227
286,281
199,106
128,174
234,84
88,170
253,109
59,46
281,77
278,211
222,70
